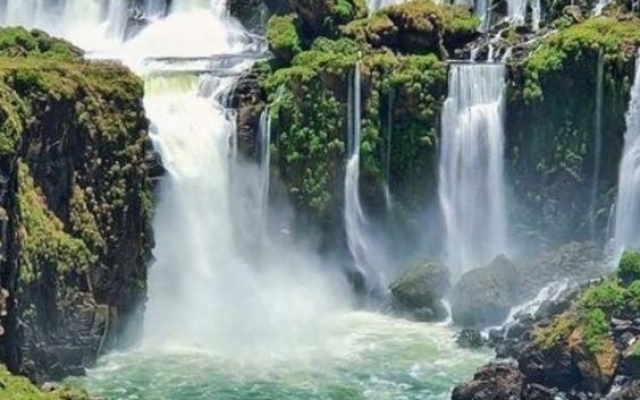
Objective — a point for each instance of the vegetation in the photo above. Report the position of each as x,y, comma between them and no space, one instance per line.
19,388
593,310
283,37
417,27
576,46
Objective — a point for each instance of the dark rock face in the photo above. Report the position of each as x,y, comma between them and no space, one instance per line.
577,261
75,201
492,382
484,296
419,292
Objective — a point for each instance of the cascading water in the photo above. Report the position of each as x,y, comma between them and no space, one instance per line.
597,146
220,324
627,234
517,12
472,190
265,173
88,23
375,5
356,224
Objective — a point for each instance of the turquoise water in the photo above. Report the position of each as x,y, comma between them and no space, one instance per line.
352,355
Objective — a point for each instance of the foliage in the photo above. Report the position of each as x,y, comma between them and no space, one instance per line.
629,267
19,42
576,44
416,26
19,388
283,37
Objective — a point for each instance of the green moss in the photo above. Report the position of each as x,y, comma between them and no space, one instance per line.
579,43
283,37
19,42
629,267
596,325
416,27
44,242
20,388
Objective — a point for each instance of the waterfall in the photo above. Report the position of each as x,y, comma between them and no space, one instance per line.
627,233
387,186
265,163
471,189
87,23
375,5
207,287
356,224
593,207
517,12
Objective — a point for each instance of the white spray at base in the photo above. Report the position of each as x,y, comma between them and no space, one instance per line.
205,289
627,216
471,189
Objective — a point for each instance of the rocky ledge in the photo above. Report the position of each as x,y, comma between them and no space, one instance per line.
584,346
75,205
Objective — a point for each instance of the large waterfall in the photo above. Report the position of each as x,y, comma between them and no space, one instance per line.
226,319
627,234
472,189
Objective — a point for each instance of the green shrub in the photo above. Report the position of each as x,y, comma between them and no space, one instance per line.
629,267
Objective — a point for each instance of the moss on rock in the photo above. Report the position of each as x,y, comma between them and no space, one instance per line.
284,39
418,26
75,182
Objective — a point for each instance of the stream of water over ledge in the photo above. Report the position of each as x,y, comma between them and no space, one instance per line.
349,355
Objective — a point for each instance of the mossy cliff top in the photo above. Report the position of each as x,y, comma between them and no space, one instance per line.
579,45
416,27
74,161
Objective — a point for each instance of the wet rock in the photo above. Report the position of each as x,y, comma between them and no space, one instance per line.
535,391
573,12
577,261
492,382
630,364
420,290
631,391
470,339
484,296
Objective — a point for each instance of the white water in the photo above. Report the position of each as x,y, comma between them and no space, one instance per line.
627,234
472,189
217,324
356,225
265,172
87,23
517,12
375,5
595,180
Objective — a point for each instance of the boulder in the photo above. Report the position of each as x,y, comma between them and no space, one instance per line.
630,363
492,382
470,339
484,296
420,290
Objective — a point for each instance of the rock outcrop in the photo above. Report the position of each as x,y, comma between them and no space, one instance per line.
75,205
484,296
585,347
419,292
